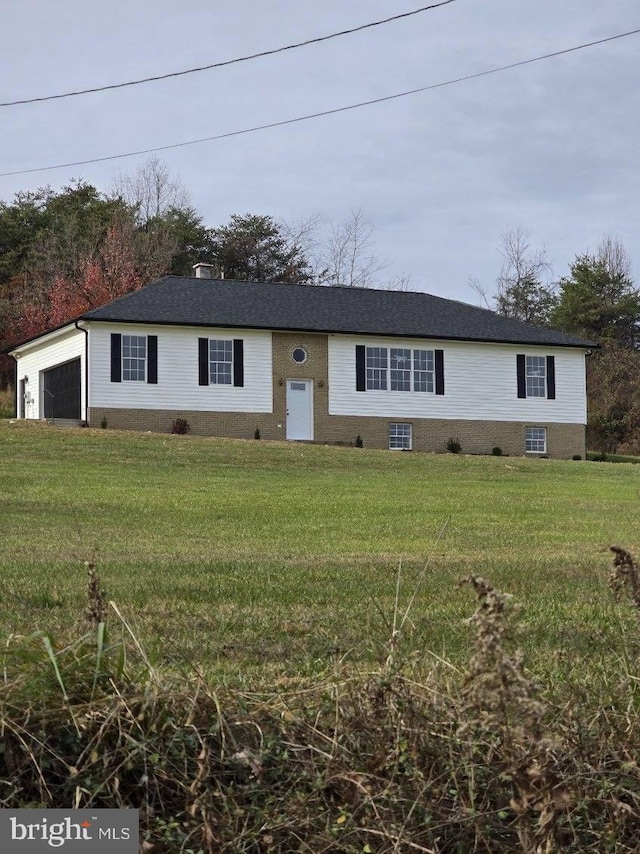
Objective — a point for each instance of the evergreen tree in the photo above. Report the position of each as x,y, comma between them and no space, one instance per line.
254,248
599,299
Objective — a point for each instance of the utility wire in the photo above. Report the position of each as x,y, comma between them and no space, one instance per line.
325,112
228,61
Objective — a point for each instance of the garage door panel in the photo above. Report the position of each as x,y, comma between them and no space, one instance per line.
62,391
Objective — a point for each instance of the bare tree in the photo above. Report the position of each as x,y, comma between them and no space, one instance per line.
342,253
521,291
400,282
304,235
474,283
349,258
614,257
151,190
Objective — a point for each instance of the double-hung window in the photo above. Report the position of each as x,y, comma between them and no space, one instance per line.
134,358
536,376
400,437
423,370
536,440
377,366
220,362
536,368
399,369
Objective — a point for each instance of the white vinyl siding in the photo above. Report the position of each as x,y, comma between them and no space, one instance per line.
178,385
480,381
48,352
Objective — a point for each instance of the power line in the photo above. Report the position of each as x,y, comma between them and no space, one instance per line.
325,112
228,61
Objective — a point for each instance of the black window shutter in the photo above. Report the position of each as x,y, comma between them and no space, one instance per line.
238,362
116,357
551,377
203,361
522,380
152,359
361,370
439,364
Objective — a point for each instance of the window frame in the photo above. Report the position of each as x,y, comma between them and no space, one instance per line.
127,360
376,368
397,436
214,364
537,371
529,441
427,374
386,369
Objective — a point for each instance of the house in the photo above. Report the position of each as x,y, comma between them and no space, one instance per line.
405,371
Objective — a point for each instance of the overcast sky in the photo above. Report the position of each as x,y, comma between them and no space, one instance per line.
552,146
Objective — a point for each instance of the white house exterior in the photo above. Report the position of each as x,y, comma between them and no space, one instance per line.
401,371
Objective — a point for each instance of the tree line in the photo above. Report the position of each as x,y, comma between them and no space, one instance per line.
67,251
64,252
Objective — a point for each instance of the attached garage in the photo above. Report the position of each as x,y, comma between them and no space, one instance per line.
62,390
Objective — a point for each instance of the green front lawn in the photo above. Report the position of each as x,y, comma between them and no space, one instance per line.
247,557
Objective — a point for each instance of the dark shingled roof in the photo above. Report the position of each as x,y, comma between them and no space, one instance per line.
257,305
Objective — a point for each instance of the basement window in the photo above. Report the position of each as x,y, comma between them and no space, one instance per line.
536,440
400,437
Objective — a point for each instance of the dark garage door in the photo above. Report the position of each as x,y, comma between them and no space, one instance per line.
62,391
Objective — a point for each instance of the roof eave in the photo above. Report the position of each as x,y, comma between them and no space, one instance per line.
579,345
13,348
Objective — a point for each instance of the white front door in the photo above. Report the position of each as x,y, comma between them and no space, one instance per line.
299,409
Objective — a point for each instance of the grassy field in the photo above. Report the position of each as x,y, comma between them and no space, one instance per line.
251,695
258,559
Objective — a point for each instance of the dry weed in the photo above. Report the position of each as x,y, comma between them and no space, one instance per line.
408,758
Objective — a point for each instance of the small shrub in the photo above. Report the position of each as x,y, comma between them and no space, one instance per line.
256,434
576,457
180,426
496,452
359,441
103,423
453,445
